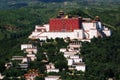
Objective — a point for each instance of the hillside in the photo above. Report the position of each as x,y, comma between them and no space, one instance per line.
102,56
13,4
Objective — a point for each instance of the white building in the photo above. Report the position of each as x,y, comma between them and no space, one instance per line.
80,66
17,57
74,60
8,65
32,57
43,28
23,65
87,32
74,56
52,78
51,68
67,54
24,46
77,60
74,47
1,76
31,50
77,34
25,60
63,50
106,31
70,62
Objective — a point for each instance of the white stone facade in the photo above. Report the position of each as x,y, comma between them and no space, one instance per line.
24,46
52,78
63,49
87,32
75,61
67,54
32,57
31,50
80,67
51,68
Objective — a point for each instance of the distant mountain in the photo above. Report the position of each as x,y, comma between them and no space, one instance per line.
8,4
54,0
78,0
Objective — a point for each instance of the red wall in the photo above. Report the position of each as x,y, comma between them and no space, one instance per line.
64,24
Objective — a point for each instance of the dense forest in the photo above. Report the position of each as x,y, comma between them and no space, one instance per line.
101,56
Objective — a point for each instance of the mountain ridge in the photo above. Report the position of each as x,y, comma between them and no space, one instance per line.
11,4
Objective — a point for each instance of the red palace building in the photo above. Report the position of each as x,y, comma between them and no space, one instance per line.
64,23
